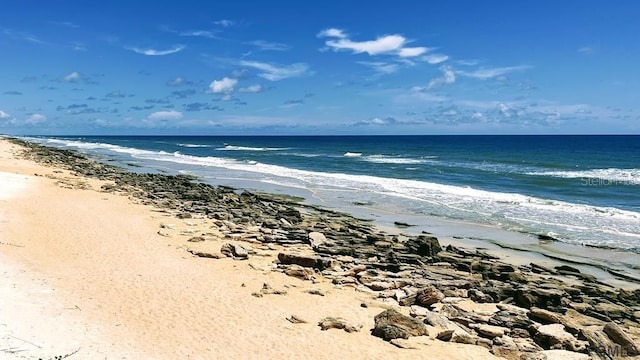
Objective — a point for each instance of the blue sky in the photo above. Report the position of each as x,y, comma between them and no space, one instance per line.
330,67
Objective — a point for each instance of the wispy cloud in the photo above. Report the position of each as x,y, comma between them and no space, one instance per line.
448,77
20,35
274,73
117,95
165,115
268,45
201,33
586,50
388,44
67,24
381,67
224,22
12,92
377,121
35,119
4,115
153,52
484,74
435,58
75,77
251,89
179,81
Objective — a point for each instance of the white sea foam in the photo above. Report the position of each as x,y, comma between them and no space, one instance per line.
195,145
249,148
611,176
384,159
352,154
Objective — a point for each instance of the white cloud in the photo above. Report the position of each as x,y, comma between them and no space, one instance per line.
224,86
165,115
3,115
275,73
381,45
72,77
35,119
225,23
388,44
435,58
412,51
251,89
484,74
153,52
269,46
448,77
200,33
380,67
332,32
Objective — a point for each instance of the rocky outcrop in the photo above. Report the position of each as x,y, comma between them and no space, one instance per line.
391,324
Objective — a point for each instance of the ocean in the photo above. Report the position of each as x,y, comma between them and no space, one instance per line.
581,190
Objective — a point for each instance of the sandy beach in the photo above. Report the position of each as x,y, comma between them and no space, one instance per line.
90,274
87,272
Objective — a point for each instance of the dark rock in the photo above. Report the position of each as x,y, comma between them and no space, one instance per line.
391,324
311,261
423,245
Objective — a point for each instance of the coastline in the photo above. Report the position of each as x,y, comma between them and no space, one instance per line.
166,295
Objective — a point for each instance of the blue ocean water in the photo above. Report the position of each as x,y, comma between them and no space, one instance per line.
579,189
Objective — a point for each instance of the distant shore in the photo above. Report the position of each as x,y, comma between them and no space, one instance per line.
189,245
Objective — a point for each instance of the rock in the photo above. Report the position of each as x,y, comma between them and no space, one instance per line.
310,261
164,233
403,343
618,336
418,311
554,336
567,268
234,251
562,355
424,246
479,296
390,324
316,239
338,323
445,335
429,296
490,331
196,239
599,342
205,254
315,291
612,311
299,272
296,320
545,316
268,290
463,337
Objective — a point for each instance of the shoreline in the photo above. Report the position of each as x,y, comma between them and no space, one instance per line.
390,269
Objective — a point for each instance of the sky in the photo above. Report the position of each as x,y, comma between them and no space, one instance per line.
319,67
